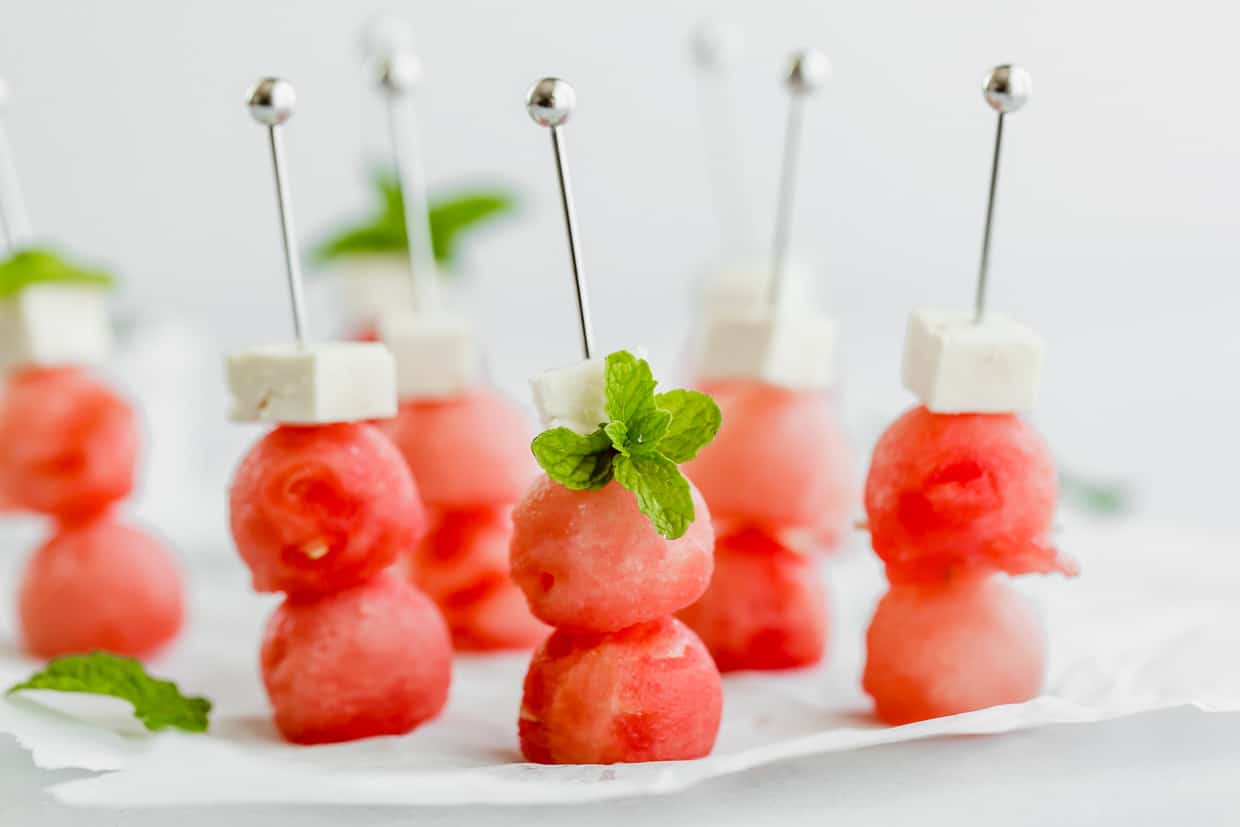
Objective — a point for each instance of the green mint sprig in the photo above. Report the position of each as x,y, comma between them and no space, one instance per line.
40,266
157,704
384,232
646,437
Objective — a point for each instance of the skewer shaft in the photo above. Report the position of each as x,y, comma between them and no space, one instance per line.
574,249
979,306
13,219
292,264
412,180
786,198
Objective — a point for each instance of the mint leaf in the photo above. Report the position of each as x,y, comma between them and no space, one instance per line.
662,491
157,704
384,232
629,387
574,461
40,266
695,419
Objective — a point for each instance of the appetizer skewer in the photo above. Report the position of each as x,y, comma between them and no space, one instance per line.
962,490
609,543
465,443
320,509
69,450
778,478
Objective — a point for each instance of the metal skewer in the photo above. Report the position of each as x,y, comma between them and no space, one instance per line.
549,102
14,222
810,69
1006,88
271,103
715,47
398,74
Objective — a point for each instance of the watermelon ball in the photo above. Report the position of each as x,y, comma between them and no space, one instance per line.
937,649
317,509
467,450
962,491
374,659
766,607
589,560
646,693
100,584
462,564
780,459
68,444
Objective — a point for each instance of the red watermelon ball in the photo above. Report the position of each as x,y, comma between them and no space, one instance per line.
317,509
462,564
589,560
766,607
967,643
646,693
68,444
100,584
949,492
467,450
780,459
373,659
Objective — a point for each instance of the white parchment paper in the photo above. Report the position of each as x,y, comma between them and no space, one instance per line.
1153,622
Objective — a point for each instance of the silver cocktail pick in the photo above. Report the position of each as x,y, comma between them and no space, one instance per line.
399,72
271,103
13,220
549,102
715,47
809,70
1006,89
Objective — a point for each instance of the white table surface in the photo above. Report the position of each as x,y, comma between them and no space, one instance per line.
1177,766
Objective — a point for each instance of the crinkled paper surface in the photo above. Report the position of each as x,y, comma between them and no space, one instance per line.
1153,622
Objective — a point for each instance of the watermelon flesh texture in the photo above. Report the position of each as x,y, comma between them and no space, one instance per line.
100,584
462,564
590,561
766,607
465,451
780,461
68,443
965,643
649,692
373,659
957,492
317,509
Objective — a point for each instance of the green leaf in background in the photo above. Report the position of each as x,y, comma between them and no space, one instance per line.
639,447
41,266
384,233
1093,496
157,704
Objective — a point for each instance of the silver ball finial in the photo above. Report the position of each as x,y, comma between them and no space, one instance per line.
550,102
399,72
716,45
1007,88
271,101
810,69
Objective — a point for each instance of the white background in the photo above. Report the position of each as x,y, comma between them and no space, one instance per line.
1116,223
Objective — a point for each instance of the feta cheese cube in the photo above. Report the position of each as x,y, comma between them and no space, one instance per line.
742,286
312,385
373,286
55,324
793,350
956,365
436,355
574,397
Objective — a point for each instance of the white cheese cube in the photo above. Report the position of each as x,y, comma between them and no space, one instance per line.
793,350
55,324
436,355
742,286
956,365
574,397
375,285
312,385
